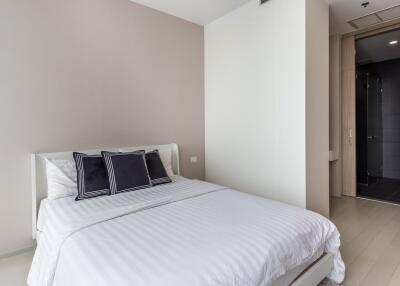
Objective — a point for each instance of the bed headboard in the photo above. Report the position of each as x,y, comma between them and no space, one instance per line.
39,182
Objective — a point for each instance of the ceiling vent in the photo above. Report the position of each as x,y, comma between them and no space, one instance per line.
376,18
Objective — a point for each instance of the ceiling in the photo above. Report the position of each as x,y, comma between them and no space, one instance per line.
203,12
377,48
343,11
200,12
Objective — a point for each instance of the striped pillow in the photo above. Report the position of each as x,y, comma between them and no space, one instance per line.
92,176
126,171
157,171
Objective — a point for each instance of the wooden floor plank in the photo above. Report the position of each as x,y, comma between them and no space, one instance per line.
370,241
395,280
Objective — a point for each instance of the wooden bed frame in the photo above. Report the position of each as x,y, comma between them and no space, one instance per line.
312,276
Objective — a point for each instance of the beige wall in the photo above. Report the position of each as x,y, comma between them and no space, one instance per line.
92,73
317,106
335,168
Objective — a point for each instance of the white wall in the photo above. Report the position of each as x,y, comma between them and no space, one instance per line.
317,105
95,73
255,100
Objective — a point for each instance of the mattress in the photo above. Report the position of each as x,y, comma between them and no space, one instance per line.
184,233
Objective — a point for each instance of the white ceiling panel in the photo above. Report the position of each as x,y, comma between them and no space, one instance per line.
201,12
343,11
390,13
366,21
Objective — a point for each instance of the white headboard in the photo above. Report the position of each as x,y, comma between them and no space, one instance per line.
39,182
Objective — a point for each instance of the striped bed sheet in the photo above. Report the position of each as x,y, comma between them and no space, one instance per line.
187,232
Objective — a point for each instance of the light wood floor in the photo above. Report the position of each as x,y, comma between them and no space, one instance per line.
370,245
14,270
370,235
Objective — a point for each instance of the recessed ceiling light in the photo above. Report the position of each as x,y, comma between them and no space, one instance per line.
393,42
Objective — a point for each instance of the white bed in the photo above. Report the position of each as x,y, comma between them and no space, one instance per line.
184,233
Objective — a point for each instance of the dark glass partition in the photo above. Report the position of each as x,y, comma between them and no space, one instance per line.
369,128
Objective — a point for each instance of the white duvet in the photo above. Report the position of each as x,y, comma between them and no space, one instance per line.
184,233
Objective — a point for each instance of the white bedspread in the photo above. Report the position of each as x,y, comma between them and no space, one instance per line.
184,233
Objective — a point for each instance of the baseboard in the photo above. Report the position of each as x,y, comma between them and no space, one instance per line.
17,252
378,201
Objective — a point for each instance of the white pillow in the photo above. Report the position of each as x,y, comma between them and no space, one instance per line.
61,178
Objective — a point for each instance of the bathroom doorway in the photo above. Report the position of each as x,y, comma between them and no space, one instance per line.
378,116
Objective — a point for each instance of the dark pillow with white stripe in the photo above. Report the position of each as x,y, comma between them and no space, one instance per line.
157,171
126,171
92,176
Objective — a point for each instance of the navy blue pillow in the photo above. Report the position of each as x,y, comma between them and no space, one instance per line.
126,171
157,171
92,176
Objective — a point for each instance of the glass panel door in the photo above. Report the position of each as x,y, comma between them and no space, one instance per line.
362,120
374,128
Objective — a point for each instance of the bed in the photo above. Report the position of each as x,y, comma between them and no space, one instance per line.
187,232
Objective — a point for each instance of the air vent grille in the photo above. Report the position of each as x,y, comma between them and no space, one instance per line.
376,18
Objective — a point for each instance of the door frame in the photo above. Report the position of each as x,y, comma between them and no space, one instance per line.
348,102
